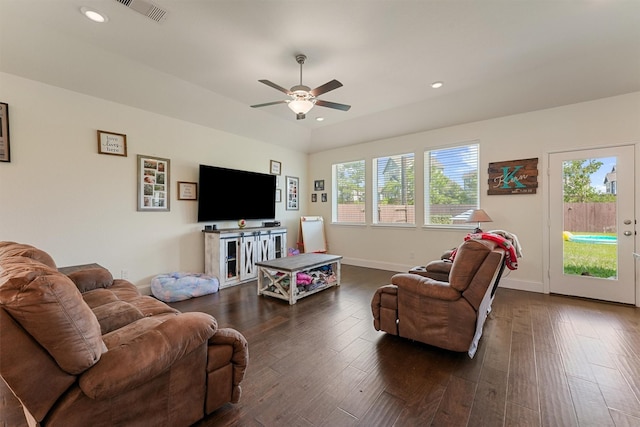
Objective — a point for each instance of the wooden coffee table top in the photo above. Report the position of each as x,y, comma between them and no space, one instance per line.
299,262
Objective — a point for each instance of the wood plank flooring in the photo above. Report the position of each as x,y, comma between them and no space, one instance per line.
544,360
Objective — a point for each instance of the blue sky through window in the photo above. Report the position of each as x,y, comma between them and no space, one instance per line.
597,178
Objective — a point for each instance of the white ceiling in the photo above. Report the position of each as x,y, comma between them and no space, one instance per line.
203,62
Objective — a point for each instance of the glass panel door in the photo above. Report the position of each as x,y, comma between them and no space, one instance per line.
592,225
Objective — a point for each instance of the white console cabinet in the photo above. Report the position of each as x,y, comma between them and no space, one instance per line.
231,255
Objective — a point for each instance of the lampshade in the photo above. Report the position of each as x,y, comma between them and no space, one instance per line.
300,106
479,215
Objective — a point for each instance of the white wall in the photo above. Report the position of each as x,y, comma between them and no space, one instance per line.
59,194
605,122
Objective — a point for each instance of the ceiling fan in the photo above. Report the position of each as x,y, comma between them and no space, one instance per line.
302,97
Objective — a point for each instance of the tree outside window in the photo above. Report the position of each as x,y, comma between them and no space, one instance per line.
349,192
451,184
394,183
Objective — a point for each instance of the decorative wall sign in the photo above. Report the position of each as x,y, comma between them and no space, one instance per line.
153,183
5,153
275,167
513,177
112,143
187,190
292,193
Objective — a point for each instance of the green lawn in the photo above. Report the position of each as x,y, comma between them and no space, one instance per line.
598,260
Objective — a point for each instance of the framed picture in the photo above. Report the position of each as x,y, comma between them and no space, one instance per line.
318,185
278,195
5,152
324,197
112,143
187,190
275,168
292,193
314,197
153,183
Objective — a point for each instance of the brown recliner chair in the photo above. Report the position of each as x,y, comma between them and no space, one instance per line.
86,349
447,314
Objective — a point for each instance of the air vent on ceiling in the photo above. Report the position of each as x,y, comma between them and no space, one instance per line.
147,9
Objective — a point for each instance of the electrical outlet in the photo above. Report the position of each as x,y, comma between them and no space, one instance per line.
124,274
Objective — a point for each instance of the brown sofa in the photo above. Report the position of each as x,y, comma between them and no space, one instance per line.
86,349
448,314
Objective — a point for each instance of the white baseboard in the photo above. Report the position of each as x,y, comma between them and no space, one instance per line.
521,285
388,266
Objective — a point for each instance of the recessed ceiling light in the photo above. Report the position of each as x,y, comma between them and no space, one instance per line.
93,15
437,85
319,119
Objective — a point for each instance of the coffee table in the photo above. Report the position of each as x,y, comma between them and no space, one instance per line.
278,277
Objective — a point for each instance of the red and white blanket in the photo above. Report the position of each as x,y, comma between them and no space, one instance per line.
511,259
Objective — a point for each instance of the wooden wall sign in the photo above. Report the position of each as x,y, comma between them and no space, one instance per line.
513,177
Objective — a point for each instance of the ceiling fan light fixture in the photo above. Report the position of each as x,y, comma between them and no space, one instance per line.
300,106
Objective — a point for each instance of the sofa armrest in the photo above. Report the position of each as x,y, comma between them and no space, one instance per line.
240,356
153,352
91,278
425,286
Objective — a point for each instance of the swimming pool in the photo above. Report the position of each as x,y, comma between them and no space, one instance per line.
590,238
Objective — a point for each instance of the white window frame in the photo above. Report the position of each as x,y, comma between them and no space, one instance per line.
335,193
427,186
376,191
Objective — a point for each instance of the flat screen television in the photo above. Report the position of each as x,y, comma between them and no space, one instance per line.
231,194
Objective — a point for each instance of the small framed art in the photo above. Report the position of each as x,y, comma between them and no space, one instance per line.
292,193
275,167
5,153
318,185
153,183
112,143
187,190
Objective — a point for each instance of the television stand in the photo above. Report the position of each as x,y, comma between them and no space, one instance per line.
231,255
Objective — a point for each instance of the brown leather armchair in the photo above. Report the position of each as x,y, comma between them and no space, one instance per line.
85,349
448,314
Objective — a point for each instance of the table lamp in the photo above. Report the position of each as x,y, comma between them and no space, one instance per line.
479,215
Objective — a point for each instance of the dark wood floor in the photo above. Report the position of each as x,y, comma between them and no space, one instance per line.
543,361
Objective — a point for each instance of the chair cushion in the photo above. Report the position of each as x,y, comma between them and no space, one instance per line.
470,255
91,278
48,305
11,249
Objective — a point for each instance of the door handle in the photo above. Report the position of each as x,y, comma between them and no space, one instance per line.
627,233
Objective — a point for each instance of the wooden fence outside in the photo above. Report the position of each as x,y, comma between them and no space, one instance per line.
590,217
397,214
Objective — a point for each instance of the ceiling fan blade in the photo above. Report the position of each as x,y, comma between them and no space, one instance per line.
268,103
334,105
333,84
275,86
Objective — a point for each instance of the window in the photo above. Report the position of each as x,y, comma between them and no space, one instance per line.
394,184
451,184
349,192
